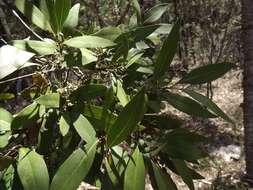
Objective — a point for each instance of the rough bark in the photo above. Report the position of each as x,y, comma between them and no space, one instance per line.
247,37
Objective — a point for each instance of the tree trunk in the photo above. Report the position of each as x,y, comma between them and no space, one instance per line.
247,37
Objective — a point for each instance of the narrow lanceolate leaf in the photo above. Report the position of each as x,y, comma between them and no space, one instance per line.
128,119
168,51
184,172
206,73
155,13
26,117
64,123
110,33
89,42
5,127
162,179
120,92
73,16
74,169
88,92
12,59
209,104
88,56
188,105
137,8
62,8
32,170
134,178
46,47
181,144
84,129
33,14
51,13
51,100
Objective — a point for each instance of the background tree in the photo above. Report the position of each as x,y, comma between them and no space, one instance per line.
247,18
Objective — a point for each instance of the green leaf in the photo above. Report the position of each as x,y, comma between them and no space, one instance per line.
73,16
110,33
88,92
181,144
188,105
12,59
46,47
163,180
155,13
51,100
128,119
206,73
163,121
33,14
99,117
89,42
5,127
51,13
32,170
134,178
141,33
26,117
137,8
64,123
74,169
209,104
7,96
5,120
184,172
62,8
84,128
168,51
120,92
7,178
88,56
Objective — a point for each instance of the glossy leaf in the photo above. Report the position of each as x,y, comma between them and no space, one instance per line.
155,13
137,8
51,13
62,8
46,47
207,73
209,104
181,144
12,59
184,172
88,56
134,178
163,180
74,169
32,170
89,42
120,92
51,100
128,119
5,127
110,33
33,14
168,51
141,33
73,16
26,117
84,129
88,92
64,123
188,106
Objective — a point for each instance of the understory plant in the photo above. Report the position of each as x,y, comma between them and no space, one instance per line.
95,102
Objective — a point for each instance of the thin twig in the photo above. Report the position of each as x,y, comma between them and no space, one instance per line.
25,76
23,22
